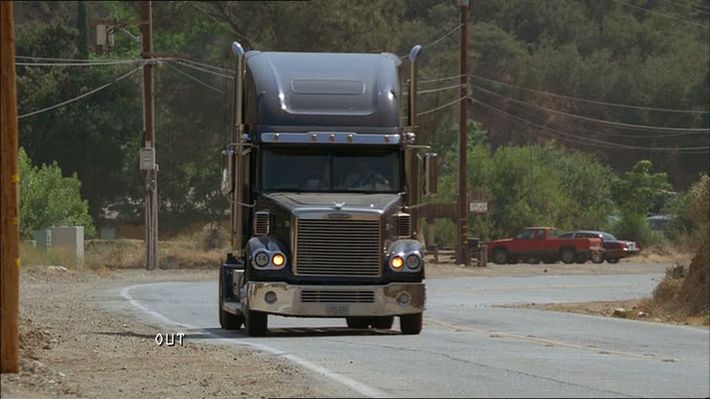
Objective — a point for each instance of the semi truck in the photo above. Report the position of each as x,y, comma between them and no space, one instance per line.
324,179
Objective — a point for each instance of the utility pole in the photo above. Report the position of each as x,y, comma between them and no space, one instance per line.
10,197
147,155
151,170
463,255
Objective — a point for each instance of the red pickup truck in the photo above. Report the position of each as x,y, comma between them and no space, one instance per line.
541,243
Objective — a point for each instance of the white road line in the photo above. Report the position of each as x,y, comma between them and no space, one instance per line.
355,385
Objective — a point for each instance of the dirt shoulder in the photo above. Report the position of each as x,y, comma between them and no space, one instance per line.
73,347
634,309
681,297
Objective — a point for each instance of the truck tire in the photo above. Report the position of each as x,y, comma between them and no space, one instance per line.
227,320
357,322
500,256
382,322
582,258
567,255
613,260
256,323
410,324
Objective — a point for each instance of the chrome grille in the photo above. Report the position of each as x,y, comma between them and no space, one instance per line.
338,247
321,296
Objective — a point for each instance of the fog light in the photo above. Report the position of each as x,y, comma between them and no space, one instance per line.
270,297
261,259
397,262
278,260
413,261
404,298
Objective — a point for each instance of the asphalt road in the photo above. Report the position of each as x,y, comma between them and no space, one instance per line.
468,346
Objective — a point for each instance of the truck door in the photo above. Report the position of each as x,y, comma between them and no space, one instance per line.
523,242
538,244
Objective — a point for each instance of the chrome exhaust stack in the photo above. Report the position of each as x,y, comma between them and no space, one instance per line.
236,148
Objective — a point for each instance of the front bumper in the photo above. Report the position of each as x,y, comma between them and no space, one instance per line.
337,300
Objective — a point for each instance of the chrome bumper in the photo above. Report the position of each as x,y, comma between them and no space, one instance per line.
387,300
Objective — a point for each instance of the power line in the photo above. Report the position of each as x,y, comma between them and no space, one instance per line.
594,120
436,89
210,66
84,62
616,134
76,64
74,60
587,100
444,36
447,34
440,107
569,137
660,14
690,7
440,79
194,78
39,111
221,75
588,141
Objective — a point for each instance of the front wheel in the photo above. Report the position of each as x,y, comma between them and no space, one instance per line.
613,260
582,258
227,320
567,255
500,256
410,324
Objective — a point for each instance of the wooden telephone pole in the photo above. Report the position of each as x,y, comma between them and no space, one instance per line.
151,169
10,221
147,155
463,255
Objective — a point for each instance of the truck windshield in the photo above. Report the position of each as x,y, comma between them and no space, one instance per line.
331,171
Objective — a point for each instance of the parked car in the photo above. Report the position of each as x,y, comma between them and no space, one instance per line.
542,243
614,249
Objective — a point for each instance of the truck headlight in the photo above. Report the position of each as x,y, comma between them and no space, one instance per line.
261,259
278,260
413,261
397,262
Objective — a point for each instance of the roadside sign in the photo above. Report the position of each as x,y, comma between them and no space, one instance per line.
478,206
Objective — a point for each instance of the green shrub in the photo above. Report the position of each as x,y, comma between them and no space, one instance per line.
635,227
49,199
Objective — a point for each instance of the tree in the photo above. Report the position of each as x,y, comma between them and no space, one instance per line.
636,193
638,189
49,199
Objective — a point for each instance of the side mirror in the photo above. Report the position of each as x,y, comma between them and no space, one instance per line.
431,173
228,172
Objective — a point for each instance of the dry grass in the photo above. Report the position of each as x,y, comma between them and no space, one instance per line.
56,256
665,254
185,252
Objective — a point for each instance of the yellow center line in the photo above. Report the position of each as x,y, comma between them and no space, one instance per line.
547,342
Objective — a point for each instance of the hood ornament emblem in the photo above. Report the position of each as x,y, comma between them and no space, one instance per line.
338,205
